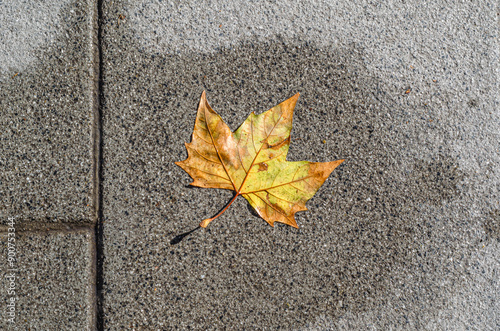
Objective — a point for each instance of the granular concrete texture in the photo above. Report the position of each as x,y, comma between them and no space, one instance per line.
27,25
53,284
462,310
46,110
403,234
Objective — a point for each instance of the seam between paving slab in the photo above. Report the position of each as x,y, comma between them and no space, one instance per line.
98,244
96,96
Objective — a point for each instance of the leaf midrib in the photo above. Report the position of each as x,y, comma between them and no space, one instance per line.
238,192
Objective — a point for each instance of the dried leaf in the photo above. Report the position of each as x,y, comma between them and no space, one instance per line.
252,162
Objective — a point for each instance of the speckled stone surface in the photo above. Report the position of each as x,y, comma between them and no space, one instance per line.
46,110
403,235
53,288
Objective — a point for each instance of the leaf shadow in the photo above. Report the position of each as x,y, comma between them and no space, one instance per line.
252,211
177,239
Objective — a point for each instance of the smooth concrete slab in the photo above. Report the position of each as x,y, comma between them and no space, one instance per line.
53,287
404,234
46,110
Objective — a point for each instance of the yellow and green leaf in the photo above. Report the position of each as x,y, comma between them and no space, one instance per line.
252,162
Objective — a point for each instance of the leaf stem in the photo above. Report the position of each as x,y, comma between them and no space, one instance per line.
205,222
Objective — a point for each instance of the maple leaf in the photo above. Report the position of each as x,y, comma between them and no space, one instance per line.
252,162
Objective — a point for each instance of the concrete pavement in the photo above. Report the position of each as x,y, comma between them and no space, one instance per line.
403,235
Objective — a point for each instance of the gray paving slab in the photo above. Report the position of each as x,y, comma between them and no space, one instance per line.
49,283
46,110
403,235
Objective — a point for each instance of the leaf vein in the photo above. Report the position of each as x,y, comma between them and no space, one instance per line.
239,155
218,154
269,188
206,172
203,156
194,133
269,205
277,197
